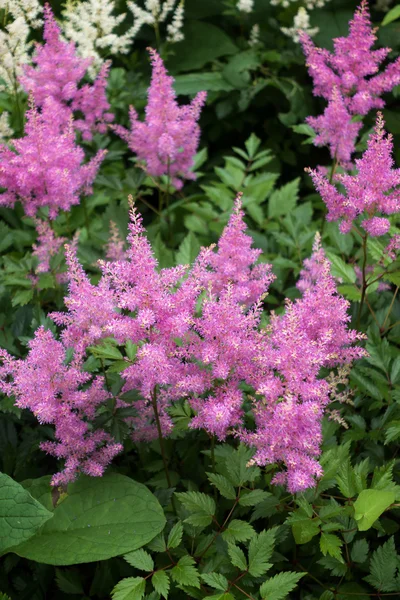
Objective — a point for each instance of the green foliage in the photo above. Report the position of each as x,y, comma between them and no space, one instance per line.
20,514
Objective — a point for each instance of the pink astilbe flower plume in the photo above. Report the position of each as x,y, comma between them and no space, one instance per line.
53,391
168,138
198,338
48,244
353,71
45,167
58,73
373,191
311,334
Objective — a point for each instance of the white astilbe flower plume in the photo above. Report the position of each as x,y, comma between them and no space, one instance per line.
20,16
245,5
301,23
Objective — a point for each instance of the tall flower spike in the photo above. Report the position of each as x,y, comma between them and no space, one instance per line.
45,169
370,192
168,138
53,391
58,73
353,66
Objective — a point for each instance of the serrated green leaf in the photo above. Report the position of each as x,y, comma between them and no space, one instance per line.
391,16
392,432
140,559
369,506
359,551
238,531
20,514
239,472
303,531
260,551
252,144
106,517
188,250
383,568
331,544
68,582
160,581
346,479
284,200
130,588
216,581
184,572
223,485
237,557
197,502
253,498
337,568
175,535
279,586
340,269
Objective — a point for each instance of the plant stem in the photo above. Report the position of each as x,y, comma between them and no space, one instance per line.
390,309
364,280
160,437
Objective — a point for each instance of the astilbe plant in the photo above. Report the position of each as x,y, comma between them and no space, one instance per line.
370,193
349,79
58,73
198,336
168,138
45,167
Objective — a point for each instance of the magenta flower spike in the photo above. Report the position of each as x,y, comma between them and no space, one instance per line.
168,138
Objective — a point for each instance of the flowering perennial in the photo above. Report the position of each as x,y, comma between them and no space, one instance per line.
198,337
57,74
45,167
349,79
168,139
370,192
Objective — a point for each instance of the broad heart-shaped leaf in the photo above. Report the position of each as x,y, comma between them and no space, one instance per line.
98,519
20,514
369,506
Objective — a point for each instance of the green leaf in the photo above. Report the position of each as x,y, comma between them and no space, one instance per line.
188,250
130,588
237,557
340,269
238,471
216,581
200,504
223,485
20,514
238,531
99,518
252,144
175,535
383,567
330,544
260,551
369,506
279,586
106,350
305,529
392,432
184,572
359,551
391,16
346,479
284,200
21,297
191,83
160,581
203,43
350,292
253,498
140,559
69,581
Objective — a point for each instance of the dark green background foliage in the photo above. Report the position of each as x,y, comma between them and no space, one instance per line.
228,533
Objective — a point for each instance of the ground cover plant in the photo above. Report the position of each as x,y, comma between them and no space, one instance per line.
199,308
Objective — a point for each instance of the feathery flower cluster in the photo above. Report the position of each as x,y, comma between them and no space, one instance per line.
371,191
91,26
301,25
198,337
310,4
349,79
52,390
5,130
168,139
115,245
14,44
45,168
57,74
155,12
245,6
